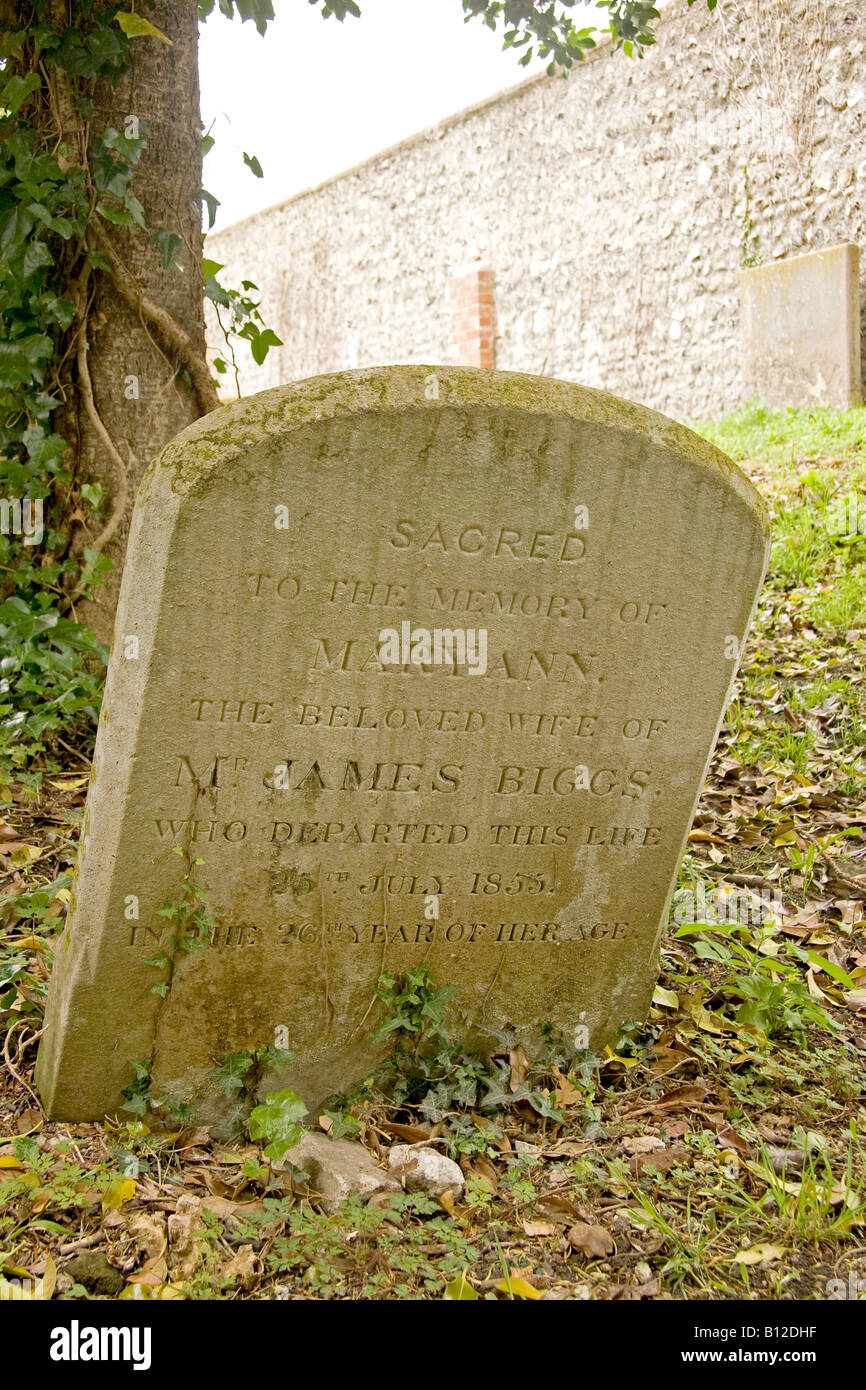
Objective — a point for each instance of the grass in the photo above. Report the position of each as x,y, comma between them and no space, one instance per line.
788,439
808,463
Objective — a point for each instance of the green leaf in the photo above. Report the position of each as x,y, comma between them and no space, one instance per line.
275,1057
35,257
119,216
136,211
277,1121
341,1124
110,175
92,494
212,203
168,243
15,227
260,345
832,969
15,92
230,1073
129,147
96,560
253,164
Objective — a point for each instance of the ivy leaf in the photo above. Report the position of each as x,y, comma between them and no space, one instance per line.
104,49
212,203
136,211
498,1095
119,216
262,343
275,1057
135,26
96,560
91,492
109,174
43,447
36,256
229,1075
341,1124
544,1106
15,92
277,1121
129,147
168,243
214,291
21,360
15,227
252,163
437,1102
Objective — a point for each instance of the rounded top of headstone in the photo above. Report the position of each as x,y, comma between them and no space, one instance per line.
205,451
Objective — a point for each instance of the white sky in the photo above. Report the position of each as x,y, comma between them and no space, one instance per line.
314,97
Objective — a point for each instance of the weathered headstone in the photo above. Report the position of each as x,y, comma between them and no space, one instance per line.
801,329
515,818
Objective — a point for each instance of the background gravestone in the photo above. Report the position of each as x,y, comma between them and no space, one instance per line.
253,746
801,329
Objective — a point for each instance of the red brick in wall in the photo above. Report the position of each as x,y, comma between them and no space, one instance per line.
473,318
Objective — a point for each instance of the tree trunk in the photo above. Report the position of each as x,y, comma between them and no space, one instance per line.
144,375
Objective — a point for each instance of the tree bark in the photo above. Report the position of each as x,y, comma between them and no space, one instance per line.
144,375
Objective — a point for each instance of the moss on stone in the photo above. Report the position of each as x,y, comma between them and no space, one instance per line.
201,454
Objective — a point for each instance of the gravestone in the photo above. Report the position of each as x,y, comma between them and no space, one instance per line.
278,734
801,329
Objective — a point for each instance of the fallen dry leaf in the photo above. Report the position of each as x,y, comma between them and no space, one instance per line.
594,1241
759,1254
413,1134
519,1066
660,1159
246,1267
539,1228
643,1144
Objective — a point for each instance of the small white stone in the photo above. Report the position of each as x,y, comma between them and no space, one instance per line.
426,1170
